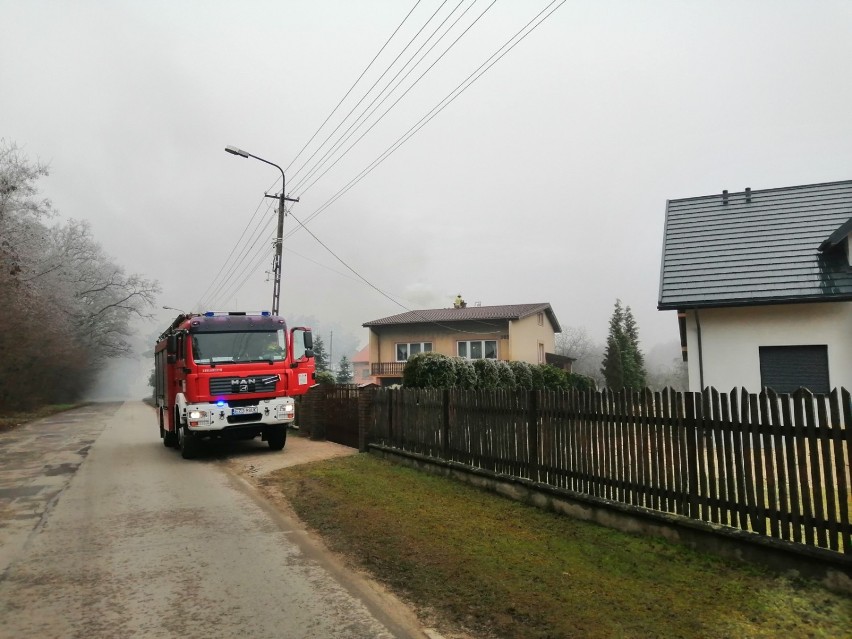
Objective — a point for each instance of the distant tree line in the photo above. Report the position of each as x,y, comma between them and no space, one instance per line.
65,306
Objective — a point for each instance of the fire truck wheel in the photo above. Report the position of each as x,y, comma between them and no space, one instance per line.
188,443
276,437
170,439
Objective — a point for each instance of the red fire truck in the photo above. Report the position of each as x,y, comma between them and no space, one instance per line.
230,375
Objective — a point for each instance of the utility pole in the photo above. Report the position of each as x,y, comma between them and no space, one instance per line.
279,237
279,243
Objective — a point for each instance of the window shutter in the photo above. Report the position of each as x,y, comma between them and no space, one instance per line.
784,369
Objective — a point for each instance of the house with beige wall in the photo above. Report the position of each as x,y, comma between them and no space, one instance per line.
762,284
514,332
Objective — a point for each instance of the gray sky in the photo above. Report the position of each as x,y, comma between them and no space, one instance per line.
545,181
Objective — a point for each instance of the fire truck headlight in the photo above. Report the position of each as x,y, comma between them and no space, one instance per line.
197,414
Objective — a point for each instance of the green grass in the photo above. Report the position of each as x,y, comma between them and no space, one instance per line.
11,420
504,569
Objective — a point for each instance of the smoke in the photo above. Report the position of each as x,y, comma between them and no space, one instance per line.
122,379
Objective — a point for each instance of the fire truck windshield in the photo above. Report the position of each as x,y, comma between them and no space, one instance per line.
239,347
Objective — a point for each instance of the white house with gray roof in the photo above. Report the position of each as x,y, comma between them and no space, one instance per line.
762,284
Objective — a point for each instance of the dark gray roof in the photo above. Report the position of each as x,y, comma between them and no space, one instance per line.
469,313
762,251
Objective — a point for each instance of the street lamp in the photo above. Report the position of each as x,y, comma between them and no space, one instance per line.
279,238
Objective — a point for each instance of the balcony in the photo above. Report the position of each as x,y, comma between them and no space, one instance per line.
387,369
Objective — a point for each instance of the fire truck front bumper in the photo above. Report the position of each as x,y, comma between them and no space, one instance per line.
221,416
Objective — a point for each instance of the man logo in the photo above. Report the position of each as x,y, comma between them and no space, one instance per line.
243,385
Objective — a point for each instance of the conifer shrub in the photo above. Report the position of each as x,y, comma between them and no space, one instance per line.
523,375
581,382
325,378
487,374
505,375
553,378
537,376
429,370
465,373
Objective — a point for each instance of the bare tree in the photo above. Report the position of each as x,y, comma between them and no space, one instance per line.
65,306
575,342
95,293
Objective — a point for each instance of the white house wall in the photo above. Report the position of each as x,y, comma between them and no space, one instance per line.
731,337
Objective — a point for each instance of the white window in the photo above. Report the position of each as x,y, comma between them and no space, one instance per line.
478,349
541,319
541,353
407,349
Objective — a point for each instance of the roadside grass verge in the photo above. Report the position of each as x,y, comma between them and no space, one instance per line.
499,568
10,420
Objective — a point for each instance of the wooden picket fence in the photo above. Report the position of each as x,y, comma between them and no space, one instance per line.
776,465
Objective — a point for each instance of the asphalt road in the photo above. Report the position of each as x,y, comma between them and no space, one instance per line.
106,533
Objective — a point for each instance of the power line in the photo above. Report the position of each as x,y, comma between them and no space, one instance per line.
463,86
381,117
237,285
261,232
448,99
357,104
233,250
343,137
383,294
236,245
334,110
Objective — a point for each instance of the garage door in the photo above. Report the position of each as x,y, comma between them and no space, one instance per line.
787,368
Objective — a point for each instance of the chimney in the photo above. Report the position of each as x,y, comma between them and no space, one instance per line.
748,194
725,196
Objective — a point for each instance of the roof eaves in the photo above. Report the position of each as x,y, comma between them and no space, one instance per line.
753,301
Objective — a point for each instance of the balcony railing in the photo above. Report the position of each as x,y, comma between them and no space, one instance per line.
391,369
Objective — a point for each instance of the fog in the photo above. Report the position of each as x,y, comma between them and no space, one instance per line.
544,181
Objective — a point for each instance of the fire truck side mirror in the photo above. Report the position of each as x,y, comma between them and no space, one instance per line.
309,344
171,345
309,352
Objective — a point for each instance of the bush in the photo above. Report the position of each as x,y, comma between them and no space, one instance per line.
581,382
506,375
537,376
523,375
325,378
465,373
433,370
487,375
553,378
429,370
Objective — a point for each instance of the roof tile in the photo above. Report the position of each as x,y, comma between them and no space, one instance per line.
758,251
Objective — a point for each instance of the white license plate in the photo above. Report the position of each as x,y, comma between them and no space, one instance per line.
248,410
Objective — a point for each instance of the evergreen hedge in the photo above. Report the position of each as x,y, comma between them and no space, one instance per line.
433,370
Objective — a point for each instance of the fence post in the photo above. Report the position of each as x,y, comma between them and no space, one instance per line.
532,434
366,412
445,425
691,432
390,393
